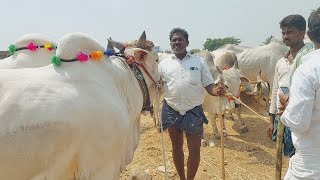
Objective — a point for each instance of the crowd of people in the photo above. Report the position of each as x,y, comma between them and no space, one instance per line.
295,98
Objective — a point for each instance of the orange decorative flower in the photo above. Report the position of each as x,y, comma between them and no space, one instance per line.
96,55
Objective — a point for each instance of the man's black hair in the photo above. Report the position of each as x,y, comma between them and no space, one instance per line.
294,20
314,25
179,30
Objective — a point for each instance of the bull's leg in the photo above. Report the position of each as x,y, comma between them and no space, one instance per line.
214,127
243,127
154,114
228,114
212,119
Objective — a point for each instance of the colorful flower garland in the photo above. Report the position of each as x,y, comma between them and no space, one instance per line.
32,47
82,57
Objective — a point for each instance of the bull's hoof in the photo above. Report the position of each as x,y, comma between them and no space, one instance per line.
244,128
203,143
217,136
211,143
225,134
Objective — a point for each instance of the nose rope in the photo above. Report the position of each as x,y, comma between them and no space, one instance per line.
147,72
237,99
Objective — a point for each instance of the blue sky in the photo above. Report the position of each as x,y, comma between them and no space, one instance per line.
252,21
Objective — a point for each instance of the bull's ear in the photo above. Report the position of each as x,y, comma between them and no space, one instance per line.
116,44
219,70
141,55
235,61
109,45
259,85
143,37
243,78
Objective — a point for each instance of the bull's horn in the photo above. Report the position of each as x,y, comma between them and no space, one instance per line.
259,76
143,36
116,44
109,45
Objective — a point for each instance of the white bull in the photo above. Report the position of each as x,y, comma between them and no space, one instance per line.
257,64
32,57
79,120
252,60
232,79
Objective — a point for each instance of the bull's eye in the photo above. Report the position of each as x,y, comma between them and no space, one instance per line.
157,60
141,56
264,99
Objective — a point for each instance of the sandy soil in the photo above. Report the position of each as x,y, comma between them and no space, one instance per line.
248,155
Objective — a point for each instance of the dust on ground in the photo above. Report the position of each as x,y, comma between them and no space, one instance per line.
249,155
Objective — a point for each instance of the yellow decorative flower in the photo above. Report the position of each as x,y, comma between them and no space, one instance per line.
48,46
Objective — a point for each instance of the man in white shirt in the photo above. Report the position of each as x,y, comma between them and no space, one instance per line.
302,114
185,77
293,31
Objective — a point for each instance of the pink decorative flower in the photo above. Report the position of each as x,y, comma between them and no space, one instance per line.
32,47
82,57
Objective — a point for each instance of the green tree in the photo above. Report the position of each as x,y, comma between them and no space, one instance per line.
213,44
193,51
267,41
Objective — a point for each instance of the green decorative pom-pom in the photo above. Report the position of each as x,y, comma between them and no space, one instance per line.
12,49
55,61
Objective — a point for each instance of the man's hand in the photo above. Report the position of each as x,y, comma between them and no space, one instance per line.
283,98
216,90
219,90
270,128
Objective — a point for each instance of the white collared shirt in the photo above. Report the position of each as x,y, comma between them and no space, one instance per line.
184,81
302,114
281,79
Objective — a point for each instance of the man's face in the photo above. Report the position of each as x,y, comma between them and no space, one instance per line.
178,43
291,36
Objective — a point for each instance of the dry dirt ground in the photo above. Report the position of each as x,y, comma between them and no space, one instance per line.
248,155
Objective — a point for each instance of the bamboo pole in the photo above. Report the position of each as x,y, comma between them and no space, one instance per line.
222,139
280,132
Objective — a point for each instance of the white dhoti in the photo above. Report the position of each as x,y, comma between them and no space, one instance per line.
305,164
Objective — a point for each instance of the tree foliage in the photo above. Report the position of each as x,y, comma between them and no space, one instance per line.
193,51
213,44
267,41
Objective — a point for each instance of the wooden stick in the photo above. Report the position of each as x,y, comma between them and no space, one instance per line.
280,132
238,100
222,139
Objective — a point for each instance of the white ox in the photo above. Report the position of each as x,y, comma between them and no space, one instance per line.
257,64
232,79
26,58
252,60
79,120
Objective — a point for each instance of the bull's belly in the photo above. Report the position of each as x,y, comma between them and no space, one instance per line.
77,141
63,151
